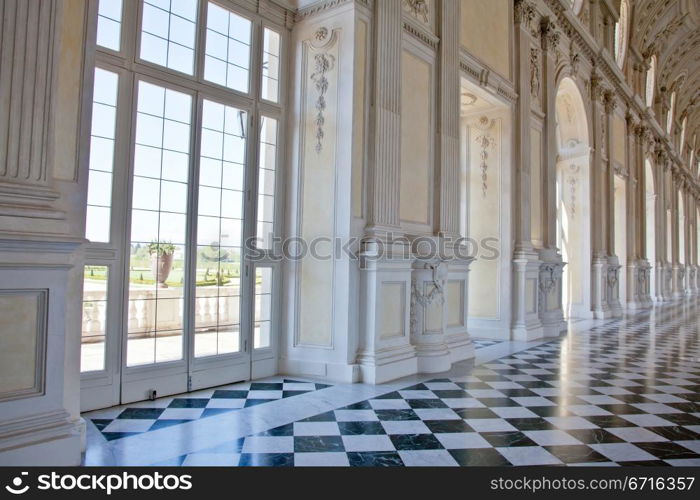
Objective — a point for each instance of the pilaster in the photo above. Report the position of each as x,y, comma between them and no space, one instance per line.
385,145
526,264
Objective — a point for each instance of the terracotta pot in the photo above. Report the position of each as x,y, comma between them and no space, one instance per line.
160,267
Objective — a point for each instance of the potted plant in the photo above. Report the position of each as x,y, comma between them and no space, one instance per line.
161,261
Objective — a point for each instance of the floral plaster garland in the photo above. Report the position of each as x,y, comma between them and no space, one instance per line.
323,63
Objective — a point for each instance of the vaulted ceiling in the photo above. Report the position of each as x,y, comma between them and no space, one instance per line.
670,29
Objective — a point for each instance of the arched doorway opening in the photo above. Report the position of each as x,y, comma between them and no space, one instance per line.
573,199
485,183
651,225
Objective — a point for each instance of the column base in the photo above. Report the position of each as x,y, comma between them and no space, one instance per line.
52,437
526,333
333,372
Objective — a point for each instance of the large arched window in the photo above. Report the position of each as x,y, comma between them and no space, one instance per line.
671,110
621,29
684,123
651,81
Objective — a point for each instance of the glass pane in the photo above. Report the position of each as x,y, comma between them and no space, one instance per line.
219,230
266,182
104,113
270,65
158,225
168,33
263,307
227,52
109,18
92,347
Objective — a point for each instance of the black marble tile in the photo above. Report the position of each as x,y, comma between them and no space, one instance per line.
468,413
389,395
111,436
621,409
266,386
550,411
451,394
266,460
101,423
667,450
416,387
606,421
576,453
360,428
141,413
595,436
518,393
676,433
681,418
689,407
188,403
530,424
415,442
507,439
644,463
447,426
224,394
497,402
484,457
396,415
426,403
325,444
289,394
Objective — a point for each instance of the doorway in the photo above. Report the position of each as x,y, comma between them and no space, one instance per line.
573,199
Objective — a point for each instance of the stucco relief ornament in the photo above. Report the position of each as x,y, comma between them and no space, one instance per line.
323,63
485,142
548,278
321,34
419,8
534,73
612,276
573,181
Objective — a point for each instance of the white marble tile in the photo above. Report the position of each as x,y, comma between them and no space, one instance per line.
427,458
368,443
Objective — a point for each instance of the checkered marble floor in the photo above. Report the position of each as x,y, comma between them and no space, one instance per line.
623,393
137,418
481,343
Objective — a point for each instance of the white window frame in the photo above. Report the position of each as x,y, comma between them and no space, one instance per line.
114,254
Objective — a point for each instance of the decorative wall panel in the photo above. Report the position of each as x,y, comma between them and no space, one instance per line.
319,93
23,324
416,136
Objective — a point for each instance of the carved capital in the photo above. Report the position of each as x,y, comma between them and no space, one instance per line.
549,36
524,12
597,87
609,101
